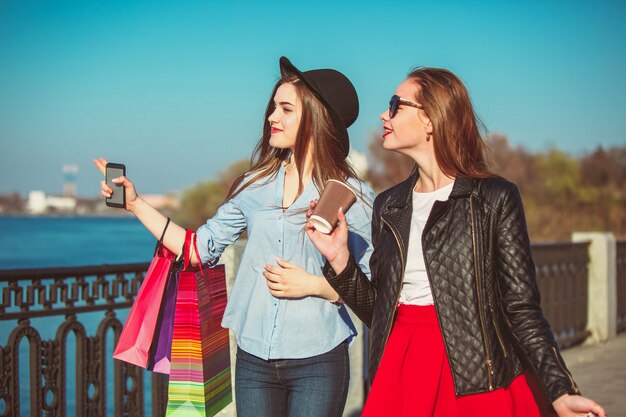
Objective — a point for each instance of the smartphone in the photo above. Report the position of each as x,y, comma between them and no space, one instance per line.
118,198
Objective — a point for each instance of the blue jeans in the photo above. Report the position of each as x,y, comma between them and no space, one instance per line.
310,387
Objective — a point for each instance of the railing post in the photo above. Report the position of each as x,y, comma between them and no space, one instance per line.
602,306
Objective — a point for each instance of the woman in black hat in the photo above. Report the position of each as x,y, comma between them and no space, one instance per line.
456,327
292,333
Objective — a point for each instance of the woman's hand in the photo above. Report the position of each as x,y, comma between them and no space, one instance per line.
154,221
576,405
333,246
290,281
106,191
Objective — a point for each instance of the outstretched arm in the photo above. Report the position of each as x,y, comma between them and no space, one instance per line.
147,215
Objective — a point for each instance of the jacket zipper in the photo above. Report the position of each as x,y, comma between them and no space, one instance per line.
571,380
488,361
401,277
495,325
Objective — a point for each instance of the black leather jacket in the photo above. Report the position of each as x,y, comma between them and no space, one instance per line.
482,278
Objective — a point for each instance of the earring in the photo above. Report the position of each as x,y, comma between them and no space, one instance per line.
428,136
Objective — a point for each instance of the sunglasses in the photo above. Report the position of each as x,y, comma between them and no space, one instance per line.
397,101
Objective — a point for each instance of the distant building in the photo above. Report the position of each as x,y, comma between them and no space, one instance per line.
40,203
70,172
11,203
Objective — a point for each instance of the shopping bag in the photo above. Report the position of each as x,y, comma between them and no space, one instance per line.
161,348
199,383
135,340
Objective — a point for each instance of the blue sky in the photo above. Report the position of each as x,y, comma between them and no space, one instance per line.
177,90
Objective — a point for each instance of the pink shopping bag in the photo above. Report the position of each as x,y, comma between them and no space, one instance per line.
134,343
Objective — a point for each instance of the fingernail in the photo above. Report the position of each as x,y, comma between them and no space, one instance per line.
341,209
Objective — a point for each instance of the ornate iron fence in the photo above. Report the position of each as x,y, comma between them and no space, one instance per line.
562,276
621,285
68,292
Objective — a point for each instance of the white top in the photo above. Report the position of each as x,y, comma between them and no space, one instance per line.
416,288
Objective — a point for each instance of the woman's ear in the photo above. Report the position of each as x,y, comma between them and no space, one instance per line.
429,127
426,120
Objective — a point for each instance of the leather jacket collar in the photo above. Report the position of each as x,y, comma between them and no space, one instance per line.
398,209
462,188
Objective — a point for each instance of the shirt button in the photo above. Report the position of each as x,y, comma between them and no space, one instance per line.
279,240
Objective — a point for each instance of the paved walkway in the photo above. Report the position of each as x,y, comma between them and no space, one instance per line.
600,372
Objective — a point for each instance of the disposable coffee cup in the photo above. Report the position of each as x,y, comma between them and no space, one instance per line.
336,194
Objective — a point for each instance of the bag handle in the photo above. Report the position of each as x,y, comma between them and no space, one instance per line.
186,249
160,242
191,238
167,223
195,246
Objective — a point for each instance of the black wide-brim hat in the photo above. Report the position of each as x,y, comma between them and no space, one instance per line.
335,91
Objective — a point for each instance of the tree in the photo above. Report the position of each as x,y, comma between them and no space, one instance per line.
201,202
560,175
386,168
601,168
561,193
514,164
228,177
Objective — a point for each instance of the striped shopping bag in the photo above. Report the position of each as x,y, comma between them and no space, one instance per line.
199,383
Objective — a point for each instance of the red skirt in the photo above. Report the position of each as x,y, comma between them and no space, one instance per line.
414,378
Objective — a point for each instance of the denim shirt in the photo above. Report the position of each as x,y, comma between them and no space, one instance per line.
279,328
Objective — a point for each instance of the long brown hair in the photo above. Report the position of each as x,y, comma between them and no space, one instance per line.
459,148
315,131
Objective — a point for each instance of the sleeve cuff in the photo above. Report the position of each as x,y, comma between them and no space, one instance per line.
331,276
206,247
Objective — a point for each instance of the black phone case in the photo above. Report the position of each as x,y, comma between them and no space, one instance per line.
118,190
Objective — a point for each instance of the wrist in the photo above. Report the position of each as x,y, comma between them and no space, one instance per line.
340,262
334,300
324,290
135,206
319,289
560,404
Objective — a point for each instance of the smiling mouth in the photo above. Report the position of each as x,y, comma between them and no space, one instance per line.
274,130
387,131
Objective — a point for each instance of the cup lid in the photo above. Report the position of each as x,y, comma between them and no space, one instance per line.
320,224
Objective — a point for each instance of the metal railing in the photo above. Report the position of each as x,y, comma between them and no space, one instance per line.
562,277
69,292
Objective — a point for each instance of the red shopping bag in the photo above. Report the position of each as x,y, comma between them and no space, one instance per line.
134,343
199,383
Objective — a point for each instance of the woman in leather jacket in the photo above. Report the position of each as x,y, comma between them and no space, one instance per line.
456,327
